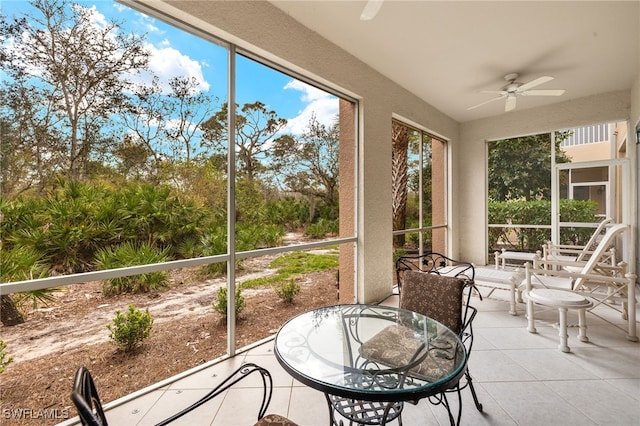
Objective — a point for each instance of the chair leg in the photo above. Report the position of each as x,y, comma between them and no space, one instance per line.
473,392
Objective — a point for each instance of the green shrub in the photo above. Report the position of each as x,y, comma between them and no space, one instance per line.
4,358
220,304
537,213
130,329
287,290
69,225
129,254
22,263
251,237
322,228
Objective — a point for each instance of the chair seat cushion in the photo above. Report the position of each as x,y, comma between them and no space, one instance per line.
563,283
395,346
275,420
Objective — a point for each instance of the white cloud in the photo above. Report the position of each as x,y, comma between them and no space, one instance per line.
166,63
97,18
319,102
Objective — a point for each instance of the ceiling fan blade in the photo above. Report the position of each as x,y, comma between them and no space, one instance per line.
533,83
551,92
371,9
485,102
510,104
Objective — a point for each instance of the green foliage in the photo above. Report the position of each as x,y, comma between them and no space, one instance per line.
36,297
251,237
292,265
304,263
287,290
21,263
5,359
537,213
71,224
397,254
322,228
128,254
521,167
128,330
291,212
220,303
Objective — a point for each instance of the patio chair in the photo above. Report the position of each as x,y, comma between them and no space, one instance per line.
576,253
443,298
597,279
85,398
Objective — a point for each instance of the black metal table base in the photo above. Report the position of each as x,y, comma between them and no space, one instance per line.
363,412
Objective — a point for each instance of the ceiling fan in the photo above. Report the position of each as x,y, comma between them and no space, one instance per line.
515,88
371,9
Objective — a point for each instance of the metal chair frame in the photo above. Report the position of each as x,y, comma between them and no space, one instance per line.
86,399
437,263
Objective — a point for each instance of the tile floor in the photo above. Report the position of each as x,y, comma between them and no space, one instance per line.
521,379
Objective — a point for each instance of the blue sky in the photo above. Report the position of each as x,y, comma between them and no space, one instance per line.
177,53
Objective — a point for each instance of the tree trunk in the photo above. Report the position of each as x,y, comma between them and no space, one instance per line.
399,176
9,313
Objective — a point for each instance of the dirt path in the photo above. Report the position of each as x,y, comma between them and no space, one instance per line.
49,329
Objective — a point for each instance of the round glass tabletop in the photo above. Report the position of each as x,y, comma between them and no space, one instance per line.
371,352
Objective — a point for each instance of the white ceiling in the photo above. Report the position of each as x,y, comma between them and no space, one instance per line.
447,52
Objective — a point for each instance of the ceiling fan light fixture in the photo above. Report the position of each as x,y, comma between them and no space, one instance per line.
515,88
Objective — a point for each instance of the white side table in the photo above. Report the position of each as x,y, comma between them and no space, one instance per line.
562,300
505,255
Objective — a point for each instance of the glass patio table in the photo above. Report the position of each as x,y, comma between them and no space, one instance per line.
370,359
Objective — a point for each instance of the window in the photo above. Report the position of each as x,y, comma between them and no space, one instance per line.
164,188
419,191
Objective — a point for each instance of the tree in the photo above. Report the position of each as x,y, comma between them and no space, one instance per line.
399,178
520,168
255,128
191,107
145,118
75,67
166,124
309,164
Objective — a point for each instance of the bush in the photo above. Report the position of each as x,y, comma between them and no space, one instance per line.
129,254
220,304
68,226
130,329
322,228
22,263
4,359
537,213
287,290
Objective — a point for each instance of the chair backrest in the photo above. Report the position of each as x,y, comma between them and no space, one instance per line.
601,250
434,263
595,237
436,296
86,399
578,253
